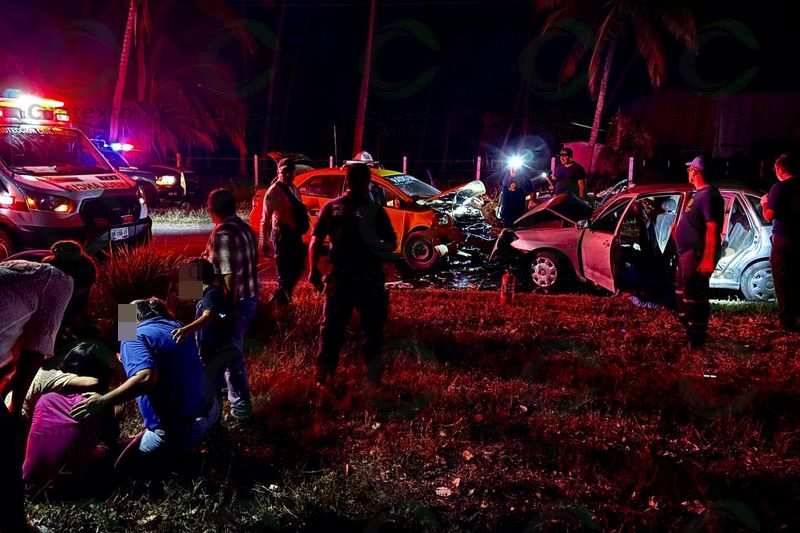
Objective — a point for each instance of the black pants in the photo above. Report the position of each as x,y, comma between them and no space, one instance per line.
289,262
12,492
369,297
691,298
785,262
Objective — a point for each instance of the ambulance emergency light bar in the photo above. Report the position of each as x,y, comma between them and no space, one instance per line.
23,108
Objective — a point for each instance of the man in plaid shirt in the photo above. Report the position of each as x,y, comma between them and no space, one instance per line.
232,249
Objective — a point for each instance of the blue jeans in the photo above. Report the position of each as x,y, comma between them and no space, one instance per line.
235,370
179,438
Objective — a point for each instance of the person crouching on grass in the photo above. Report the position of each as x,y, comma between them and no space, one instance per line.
211,327
169,384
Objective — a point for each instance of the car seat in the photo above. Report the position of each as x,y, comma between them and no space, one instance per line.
665,221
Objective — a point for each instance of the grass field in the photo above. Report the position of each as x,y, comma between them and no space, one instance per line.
566,412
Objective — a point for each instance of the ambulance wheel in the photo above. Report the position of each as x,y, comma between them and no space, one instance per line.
7,246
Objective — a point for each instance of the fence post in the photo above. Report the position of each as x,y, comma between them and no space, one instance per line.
330,161
255,171
553,165
630,172
478,170
405,164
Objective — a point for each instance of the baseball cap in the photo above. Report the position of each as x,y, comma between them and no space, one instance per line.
698,162
286,164
566,151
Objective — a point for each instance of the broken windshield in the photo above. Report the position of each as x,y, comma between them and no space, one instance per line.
49,150
412,186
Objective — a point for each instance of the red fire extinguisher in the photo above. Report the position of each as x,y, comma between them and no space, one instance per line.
507,288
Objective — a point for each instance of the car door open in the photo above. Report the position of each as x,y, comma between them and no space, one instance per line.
598,243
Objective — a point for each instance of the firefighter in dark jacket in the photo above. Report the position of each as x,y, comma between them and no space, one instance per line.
361,239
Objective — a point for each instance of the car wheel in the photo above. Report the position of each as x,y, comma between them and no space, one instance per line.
757,284
419,253
547,271
7,247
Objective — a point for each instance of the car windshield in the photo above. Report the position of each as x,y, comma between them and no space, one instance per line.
116,159
49,150
412,186
755,201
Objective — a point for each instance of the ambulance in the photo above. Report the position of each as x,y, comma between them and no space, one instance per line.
54,184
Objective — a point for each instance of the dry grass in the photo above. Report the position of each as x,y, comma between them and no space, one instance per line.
553,413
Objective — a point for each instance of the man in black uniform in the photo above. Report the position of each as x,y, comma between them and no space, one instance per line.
569,176
699,248
516,187
782,207
361,237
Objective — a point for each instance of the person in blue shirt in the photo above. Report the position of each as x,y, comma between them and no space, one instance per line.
212,327
697,240
169,384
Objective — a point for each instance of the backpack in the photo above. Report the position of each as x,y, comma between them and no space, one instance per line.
299,210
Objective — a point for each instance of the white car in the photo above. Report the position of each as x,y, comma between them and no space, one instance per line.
563,238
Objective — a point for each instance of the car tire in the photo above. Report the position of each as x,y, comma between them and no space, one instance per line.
547,271
419,253
7,246
757,284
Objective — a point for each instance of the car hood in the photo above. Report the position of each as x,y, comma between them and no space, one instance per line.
566,205
467,190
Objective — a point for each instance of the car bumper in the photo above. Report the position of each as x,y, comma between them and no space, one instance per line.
92,239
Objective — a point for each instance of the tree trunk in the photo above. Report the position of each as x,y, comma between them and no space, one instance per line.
276,59
598,110
116,104
361,111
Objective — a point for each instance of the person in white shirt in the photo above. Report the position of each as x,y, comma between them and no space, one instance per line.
33,297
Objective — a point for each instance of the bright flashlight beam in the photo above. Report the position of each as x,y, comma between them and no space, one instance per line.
514,161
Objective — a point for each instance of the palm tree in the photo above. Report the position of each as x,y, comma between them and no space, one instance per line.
139,28
122,72
361,111
644,22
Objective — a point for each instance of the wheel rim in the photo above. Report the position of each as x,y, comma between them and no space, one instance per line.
544,271
421,251
761,284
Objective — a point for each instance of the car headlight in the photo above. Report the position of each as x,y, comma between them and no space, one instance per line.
49,202
166,181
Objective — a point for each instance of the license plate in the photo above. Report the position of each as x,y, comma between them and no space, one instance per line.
119,234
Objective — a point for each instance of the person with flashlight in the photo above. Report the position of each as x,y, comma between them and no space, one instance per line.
516,187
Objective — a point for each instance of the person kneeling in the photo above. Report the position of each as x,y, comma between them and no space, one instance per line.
169,383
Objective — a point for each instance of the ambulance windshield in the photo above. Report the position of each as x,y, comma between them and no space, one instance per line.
48,150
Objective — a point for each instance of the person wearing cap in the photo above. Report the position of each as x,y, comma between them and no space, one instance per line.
35,297
781,206
569,175
279,227
697,238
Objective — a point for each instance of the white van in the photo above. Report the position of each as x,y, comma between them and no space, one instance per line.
55,185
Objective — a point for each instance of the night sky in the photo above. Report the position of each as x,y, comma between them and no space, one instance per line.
450,79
